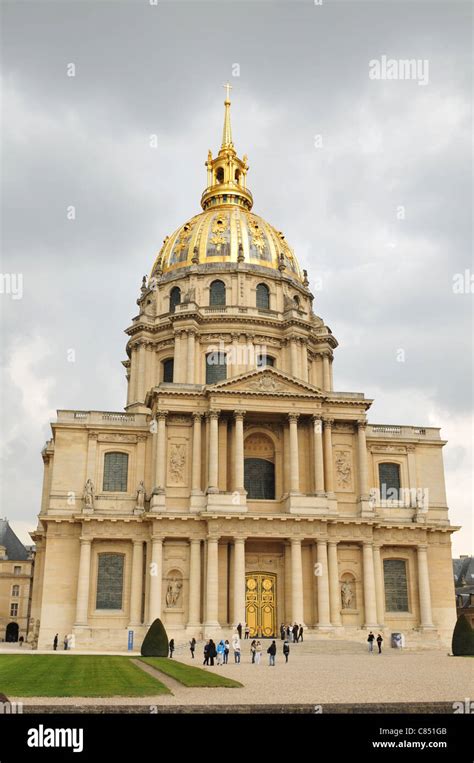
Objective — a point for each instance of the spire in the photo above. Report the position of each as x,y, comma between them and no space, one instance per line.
226,173
227,131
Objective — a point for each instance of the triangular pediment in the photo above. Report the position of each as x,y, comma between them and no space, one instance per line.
267,381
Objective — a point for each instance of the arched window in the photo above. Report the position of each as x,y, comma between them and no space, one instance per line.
263,296
259,467
396,585
217,293
389,480
237,176
15,590
265,360
110,581
216,368
220,174
115,472
175,298
168,370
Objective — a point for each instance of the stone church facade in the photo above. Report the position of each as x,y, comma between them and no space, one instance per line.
238,485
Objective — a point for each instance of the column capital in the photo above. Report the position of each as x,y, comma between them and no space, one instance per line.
85,541
197,415
368,543
157,539
212,538
322,541
422,546
239,415
239,538
161,415
361,423
378,543
213,414
194,540
328,423
137,542
333,542
295,541
293,417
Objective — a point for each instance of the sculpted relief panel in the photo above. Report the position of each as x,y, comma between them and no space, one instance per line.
177,463
344,470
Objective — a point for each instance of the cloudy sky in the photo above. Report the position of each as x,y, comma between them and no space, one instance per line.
369,180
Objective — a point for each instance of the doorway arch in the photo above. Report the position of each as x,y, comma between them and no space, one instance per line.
11,633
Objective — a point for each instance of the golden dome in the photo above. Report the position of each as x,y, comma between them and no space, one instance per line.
227,230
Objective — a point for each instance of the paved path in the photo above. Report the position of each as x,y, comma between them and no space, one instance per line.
317,674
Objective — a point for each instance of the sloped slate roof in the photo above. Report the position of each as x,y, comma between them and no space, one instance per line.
16,551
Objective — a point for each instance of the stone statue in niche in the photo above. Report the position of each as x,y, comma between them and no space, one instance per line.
140,496
347,595
177,461
88,496
172,594
343,469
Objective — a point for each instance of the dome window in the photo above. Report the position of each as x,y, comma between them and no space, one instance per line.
168,370
265,360
175,298
263,297
220,174
217,293
216,368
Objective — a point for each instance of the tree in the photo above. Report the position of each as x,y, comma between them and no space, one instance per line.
155,643
463,638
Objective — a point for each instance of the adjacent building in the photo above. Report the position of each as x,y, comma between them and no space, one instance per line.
16,575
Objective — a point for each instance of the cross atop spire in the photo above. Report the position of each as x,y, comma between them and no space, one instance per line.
227,131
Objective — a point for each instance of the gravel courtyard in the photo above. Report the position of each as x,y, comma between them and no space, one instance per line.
318,673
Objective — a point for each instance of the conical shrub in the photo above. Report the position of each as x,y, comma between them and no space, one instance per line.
463,638
155,643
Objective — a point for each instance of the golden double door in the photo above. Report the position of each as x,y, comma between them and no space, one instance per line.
260,604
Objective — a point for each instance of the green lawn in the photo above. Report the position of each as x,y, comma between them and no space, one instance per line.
187,674
50,675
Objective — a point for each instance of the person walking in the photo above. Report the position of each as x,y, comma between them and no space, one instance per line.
370,640
171,647
379,642
206,653
212,652
192,646
239,630
220,652
55,642
65,643
286,650
252,650
295,633
288,632
300,633
282,632
247,631
271,651
236,648
226,651
258,653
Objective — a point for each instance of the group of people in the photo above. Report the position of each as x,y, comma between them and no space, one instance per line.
291,632
67,642
370,640
218,654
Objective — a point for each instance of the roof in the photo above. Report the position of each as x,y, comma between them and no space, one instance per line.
16,551
463,571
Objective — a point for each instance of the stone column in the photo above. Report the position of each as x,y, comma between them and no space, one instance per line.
324,618
132,384
328,459
318,456
136,588
178,357
326,372
363,469
294,455
304,360
294,358
426,616
239,451
212,587
296,582
156,579
239,582
379,588
194,620
213,418
160,466
334,587
83,579
190,358
140,394
370,606
196,465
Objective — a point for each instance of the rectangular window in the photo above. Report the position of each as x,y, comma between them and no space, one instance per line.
15,590
216,368
110,581
389,478
13,610
115,472
396,585
17,570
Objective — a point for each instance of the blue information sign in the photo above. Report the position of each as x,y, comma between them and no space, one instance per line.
130,641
